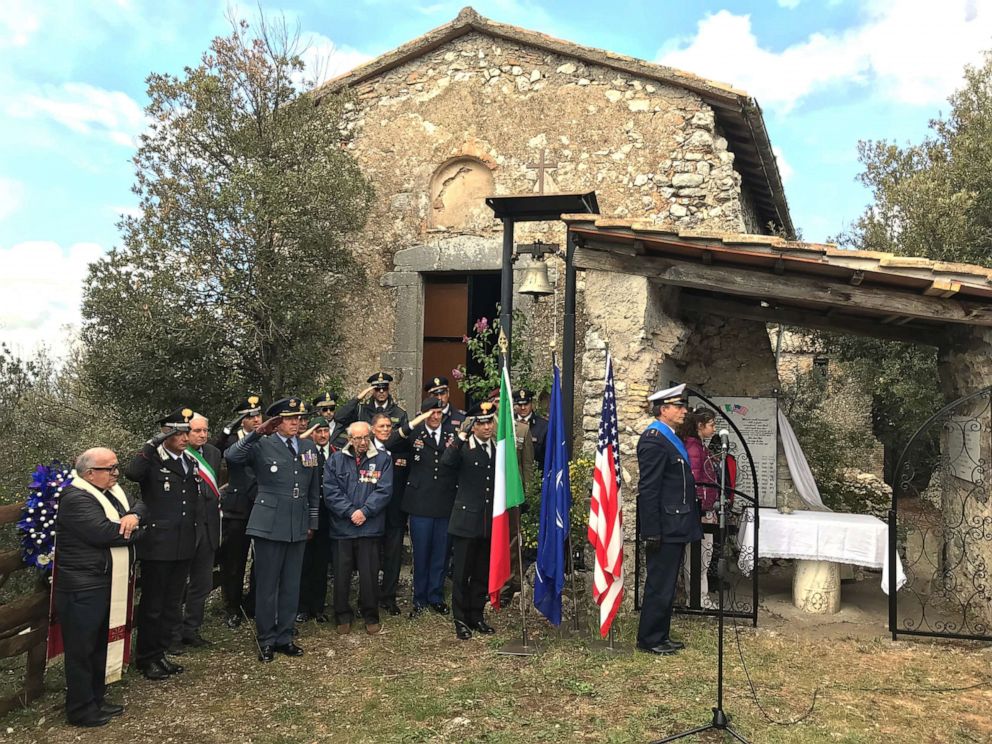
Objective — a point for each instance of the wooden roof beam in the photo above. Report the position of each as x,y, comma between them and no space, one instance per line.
803,318
870,301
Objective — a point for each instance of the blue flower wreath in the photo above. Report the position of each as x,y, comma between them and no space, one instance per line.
37,525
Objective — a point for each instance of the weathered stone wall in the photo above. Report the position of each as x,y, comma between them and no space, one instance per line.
965,367
650,151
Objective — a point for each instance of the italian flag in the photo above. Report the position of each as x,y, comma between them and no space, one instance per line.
508,492
206,472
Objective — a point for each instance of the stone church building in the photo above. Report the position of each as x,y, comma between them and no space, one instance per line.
476,108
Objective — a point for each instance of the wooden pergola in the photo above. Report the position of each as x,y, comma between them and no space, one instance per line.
769,279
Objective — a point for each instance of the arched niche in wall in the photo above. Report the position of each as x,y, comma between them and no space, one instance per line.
458,191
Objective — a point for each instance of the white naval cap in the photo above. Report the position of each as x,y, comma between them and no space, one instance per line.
672,395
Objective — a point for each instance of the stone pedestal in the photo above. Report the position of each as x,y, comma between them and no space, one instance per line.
816,587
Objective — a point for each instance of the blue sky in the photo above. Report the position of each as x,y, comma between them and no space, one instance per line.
826,73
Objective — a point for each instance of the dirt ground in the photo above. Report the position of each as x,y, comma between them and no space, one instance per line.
416,683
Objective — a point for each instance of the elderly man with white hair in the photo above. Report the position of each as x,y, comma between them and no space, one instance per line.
96,526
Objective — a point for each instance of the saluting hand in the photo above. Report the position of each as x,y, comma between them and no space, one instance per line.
419,419
365,393
268,426
467,425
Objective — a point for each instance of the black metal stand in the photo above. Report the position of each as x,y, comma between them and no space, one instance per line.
721,721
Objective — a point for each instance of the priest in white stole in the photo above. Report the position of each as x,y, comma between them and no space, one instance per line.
96,526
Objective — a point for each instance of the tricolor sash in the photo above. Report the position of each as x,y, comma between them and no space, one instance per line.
206,472
121,587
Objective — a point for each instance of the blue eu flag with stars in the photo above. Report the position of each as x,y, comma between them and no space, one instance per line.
556,501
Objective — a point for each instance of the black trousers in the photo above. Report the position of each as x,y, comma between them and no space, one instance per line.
470,578
659,593
278,566
85,618
201,583
313,581
392,558
160,611
361,553
233,555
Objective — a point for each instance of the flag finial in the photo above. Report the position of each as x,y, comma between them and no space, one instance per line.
503,344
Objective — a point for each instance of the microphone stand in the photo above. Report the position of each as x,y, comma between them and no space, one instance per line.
721,721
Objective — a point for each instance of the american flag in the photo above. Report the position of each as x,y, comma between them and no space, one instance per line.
606,511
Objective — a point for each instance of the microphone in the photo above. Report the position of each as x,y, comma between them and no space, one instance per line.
724,439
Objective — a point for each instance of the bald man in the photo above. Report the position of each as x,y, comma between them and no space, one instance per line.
96,517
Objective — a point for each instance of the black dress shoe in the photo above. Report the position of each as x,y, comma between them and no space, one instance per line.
110,709
483,627
153,670
170,666
197,641
289,649
176,649
266,654
677,645
233,621
391,607
417,612
662,649
302,617
440,608
321,617
463,632
91,721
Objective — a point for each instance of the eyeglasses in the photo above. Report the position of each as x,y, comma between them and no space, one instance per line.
109,469
326,408
359,439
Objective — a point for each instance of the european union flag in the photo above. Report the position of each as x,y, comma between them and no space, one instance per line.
556,500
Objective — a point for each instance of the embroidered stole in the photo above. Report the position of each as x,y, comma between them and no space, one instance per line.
119,636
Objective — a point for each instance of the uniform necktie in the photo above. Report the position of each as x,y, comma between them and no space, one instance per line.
437,437
292,449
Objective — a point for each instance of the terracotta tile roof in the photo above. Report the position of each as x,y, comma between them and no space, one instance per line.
737,113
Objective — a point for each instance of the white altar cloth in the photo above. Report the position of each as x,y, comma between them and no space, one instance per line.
820,536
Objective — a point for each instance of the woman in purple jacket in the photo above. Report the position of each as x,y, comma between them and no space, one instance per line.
698,427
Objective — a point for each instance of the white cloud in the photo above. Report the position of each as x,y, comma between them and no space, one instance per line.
19,21
11,197
41,288
906,51
325,60
785,170
82,108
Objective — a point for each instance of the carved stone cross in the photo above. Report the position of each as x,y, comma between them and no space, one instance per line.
541,167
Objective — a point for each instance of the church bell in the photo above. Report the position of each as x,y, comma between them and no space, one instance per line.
536,282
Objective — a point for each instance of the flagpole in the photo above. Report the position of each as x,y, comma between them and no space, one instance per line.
570,546
525,648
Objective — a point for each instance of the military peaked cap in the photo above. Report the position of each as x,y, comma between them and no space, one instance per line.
287,407
522,396
483,412
380,379
673,396
436,384
326,400
250,406
178,419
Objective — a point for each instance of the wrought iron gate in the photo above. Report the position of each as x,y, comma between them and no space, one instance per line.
742,596
940,525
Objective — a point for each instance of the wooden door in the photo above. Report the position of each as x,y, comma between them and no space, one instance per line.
446,311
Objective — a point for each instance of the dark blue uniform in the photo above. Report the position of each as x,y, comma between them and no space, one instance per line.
669,518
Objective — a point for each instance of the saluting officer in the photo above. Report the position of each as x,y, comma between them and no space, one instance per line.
523,412
170,490
437,387
237,498
669,517
472,457
325,405
317,556
372,400
429,496
283,518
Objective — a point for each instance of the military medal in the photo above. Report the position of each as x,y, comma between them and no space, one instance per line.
274,468
167,486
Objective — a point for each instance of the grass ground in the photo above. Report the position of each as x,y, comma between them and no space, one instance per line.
416,683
